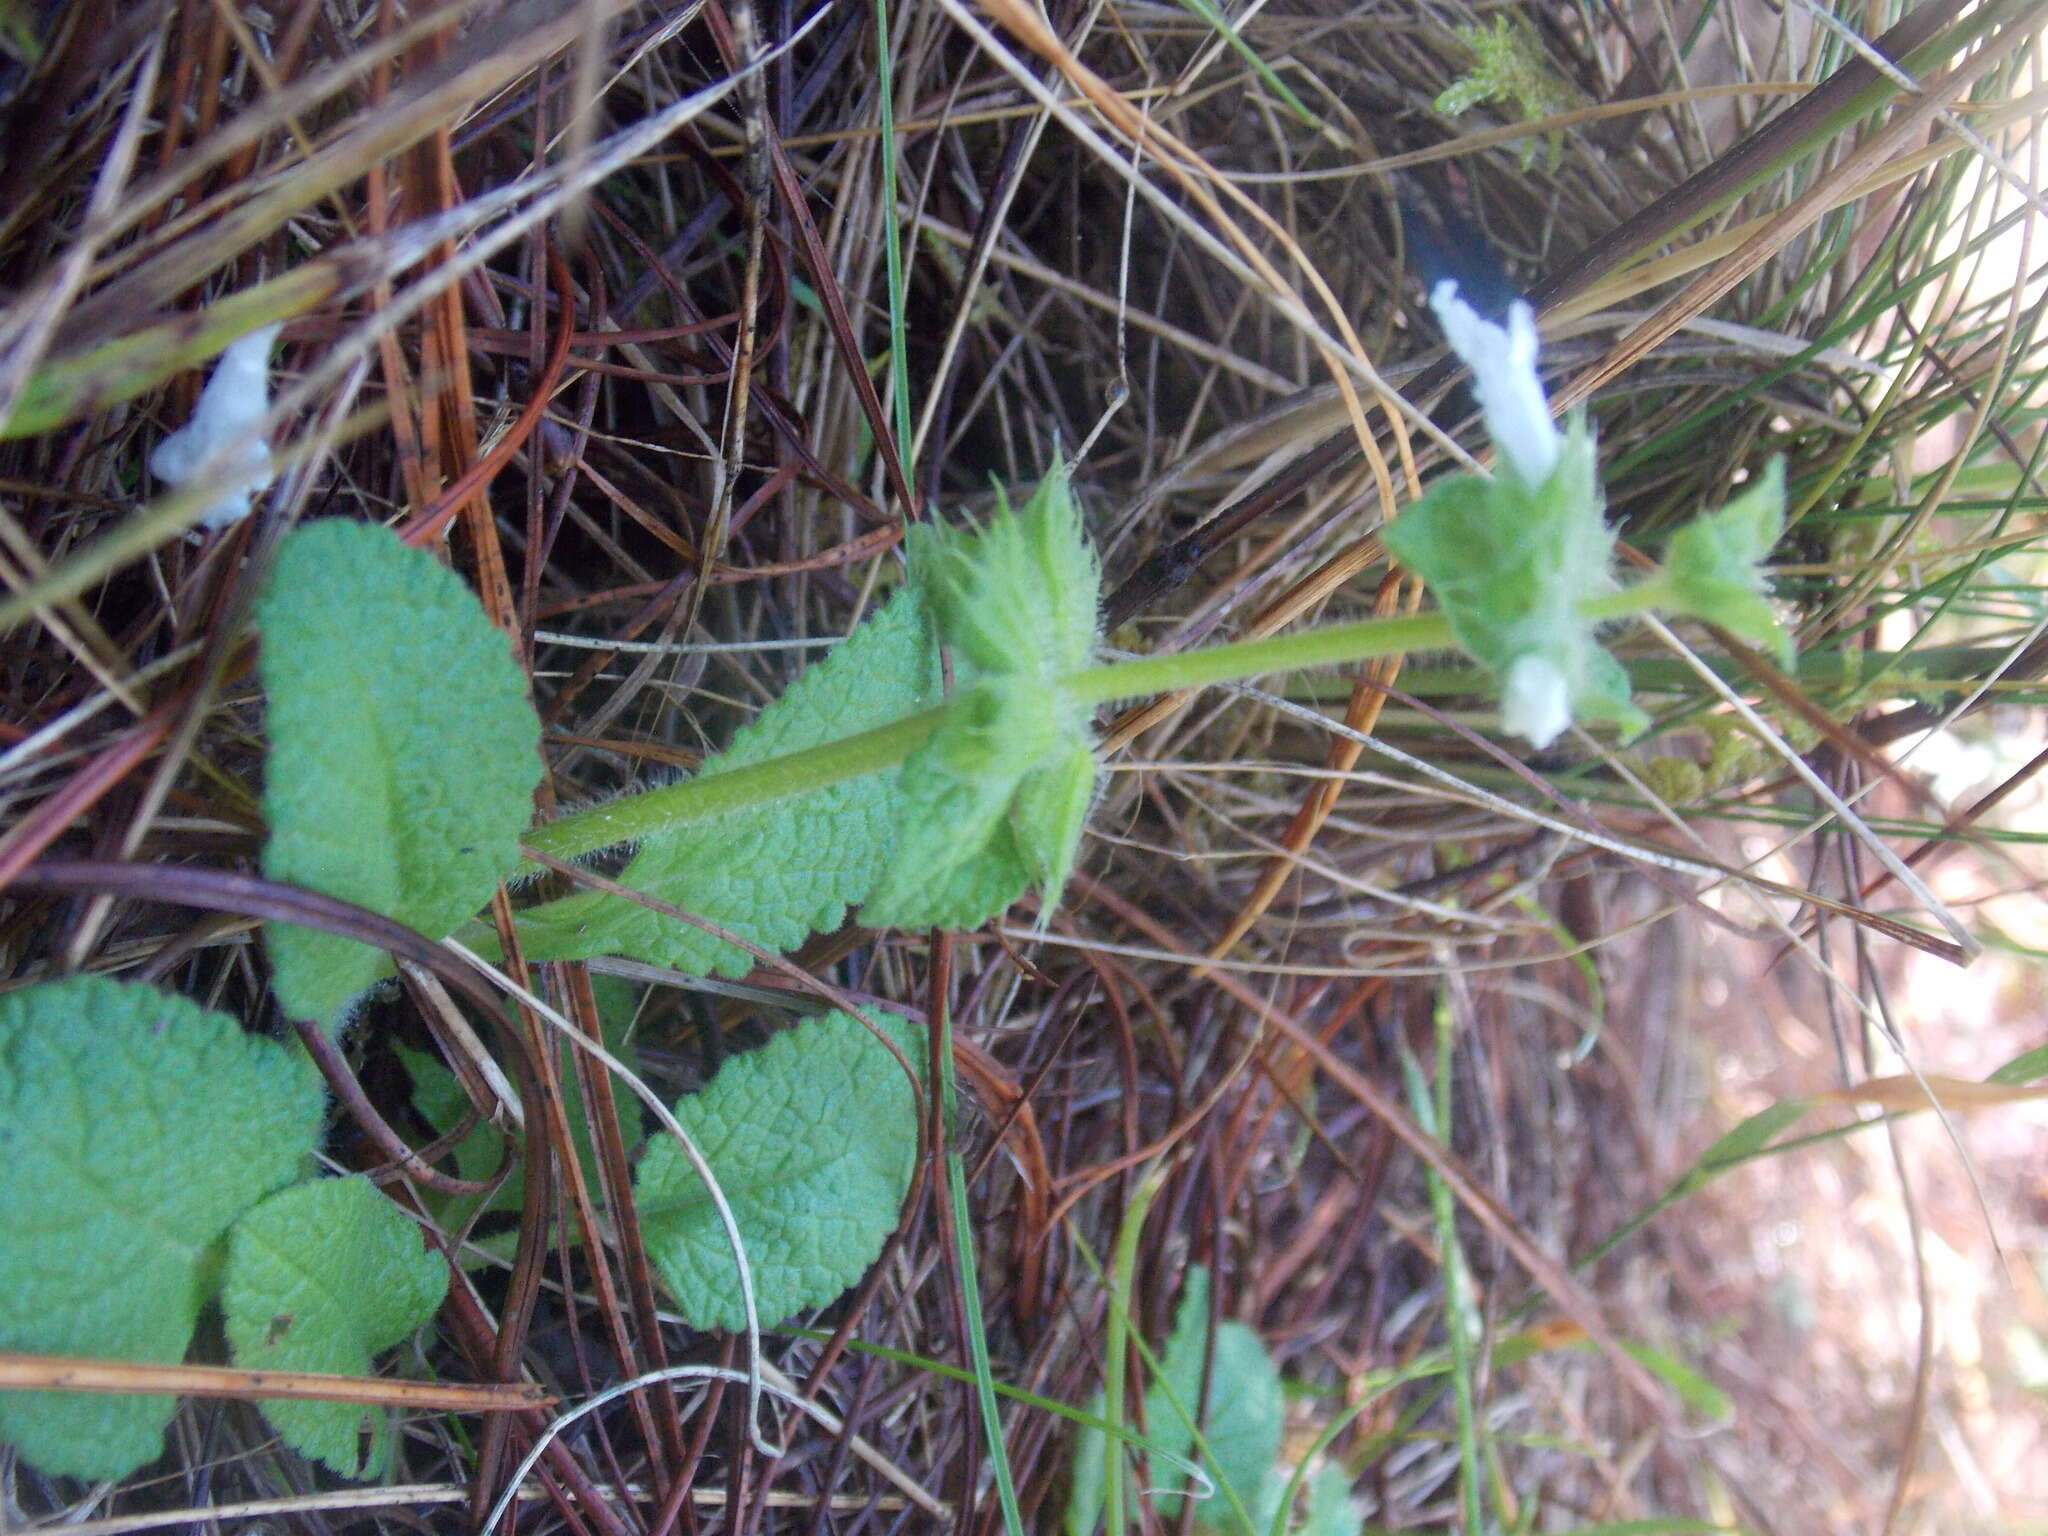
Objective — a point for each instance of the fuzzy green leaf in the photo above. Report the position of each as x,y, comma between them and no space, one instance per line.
1714,563
1331,1509
404,752
1509,565
135,1126
998,796
1246,1414
811,1138
958,892
780,872
320,1277
1019,596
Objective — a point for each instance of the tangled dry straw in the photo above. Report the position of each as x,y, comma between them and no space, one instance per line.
596,299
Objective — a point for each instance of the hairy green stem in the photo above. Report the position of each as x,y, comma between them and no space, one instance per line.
1241,659
633,817
1656,592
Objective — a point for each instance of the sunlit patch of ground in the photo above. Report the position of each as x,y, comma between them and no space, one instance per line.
1802,1267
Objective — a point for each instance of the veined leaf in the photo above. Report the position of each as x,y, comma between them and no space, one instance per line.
781,872
404,752
135,1126
811,1138
320,1277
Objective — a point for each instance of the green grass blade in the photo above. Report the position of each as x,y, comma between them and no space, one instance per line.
1206,9
977,1349
1432,1106
892,244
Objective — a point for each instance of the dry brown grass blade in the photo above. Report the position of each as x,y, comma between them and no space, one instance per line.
31,322
642,1343
484,62
434,1495
1720,182
1552,1276
1639,277
60,1373
1933,1090
1192,174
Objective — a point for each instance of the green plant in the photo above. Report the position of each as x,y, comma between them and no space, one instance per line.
996,780
152,1154
777,871
1238,1453
370,653
811,1138
402,767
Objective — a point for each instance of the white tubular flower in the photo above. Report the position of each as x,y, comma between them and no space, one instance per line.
235,399
1535,700
1503,364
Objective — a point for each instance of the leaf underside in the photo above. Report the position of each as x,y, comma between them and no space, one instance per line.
811,1138
404,751
135,1126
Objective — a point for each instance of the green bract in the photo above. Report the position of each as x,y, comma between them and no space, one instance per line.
997,797
320,1277
811,1138
1714,563
403,750
135,1126
779,872
1509,565
957,862
1019,596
